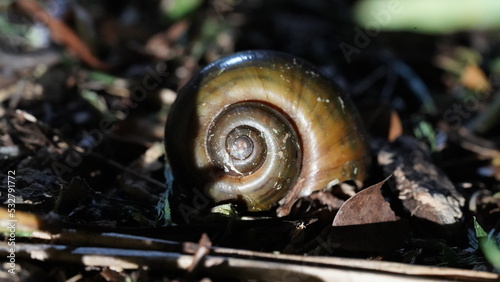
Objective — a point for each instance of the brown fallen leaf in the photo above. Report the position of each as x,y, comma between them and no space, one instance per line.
61,33
29,132
473,77
367,206
365,223
395,128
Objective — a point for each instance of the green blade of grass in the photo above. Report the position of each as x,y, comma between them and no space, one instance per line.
487,245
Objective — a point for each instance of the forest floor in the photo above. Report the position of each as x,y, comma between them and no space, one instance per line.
85,91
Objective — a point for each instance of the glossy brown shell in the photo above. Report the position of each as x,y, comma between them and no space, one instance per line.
330,143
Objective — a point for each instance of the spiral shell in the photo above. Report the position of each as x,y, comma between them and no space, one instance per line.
258,126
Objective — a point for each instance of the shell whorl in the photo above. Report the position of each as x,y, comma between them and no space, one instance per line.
248,127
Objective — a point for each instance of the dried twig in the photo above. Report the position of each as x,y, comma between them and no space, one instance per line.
133,252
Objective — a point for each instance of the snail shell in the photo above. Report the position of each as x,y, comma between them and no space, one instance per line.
260,126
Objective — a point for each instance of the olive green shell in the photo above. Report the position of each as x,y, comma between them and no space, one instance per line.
310,133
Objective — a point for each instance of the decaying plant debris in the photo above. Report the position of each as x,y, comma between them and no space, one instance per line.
85,89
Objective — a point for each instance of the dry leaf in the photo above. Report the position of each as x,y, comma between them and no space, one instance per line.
474,78
395,126
367,206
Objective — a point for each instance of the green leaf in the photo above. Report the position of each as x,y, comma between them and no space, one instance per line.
487,245
176,9
480,233
103,78
95,100
424,132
